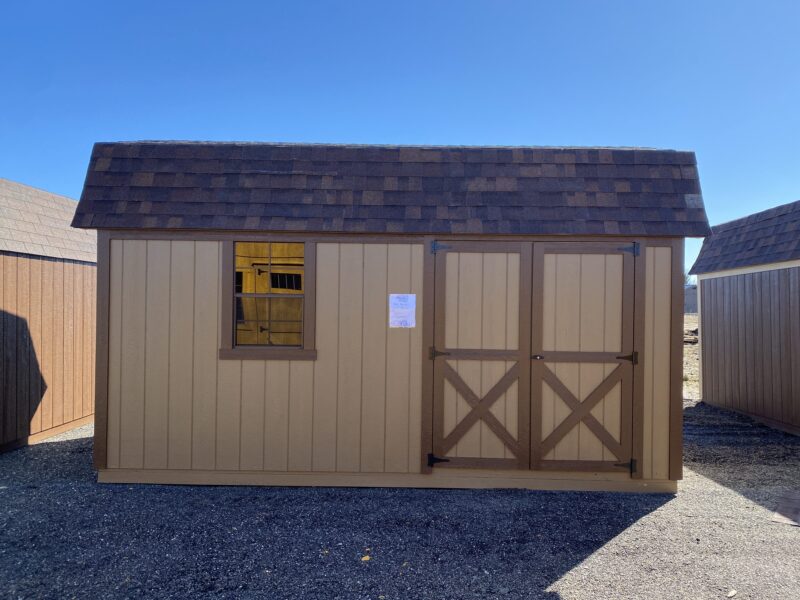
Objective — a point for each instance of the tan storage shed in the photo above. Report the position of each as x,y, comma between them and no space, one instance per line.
289,314
748,275
47,305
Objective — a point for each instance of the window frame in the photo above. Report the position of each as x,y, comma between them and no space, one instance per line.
228,349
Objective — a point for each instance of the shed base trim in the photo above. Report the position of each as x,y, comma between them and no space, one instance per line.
467,480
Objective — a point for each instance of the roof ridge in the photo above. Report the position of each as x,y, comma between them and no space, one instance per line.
757,217
390,146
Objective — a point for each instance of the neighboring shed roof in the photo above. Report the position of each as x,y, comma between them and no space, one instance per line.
394,189
33,221
765,237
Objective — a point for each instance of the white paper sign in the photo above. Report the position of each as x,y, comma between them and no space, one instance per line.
402,310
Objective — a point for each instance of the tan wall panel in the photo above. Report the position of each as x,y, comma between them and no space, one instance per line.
469,300
656,359
351,293
326,365
116,274
205,337
567,337
132,379
415,358
398,367
373,370
356,408
181,354
156,388
253,404
495,323
301,416
229,416
276,416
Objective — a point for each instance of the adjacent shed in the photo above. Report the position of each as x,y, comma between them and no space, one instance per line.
748,274
47,298
302,314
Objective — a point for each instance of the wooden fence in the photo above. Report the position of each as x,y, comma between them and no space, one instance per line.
48,339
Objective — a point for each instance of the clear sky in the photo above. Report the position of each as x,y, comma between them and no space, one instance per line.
721,78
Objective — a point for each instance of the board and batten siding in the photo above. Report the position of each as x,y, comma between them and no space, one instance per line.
173,404
47,328
657,359
177,413
750,342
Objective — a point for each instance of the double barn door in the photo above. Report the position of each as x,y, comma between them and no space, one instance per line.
533,356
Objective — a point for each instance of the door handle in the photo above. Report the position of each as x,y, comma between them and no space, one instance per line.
537,357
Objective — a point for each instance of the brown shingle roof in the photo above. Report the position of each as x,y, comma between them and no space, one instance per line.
33,221
394,189
765,237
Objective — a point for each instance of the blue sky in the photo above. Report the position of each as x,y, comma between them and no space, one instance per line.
720,78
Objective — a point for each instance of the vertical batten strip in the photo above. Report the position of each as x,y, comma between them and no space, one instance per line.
397,365
373,360
181,355
647,466
205,345
661,362
133,359
325,397
415,361
349,359
157,352
114,352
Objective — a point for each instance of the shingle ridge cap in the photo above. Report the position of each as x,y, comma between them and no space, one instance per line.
387,146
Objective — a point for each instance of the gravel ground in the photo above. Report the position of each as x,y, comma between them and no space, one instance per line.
63,535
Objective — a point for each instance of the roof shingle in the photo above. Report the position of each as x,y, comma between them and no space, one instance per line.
766,237
404,189
33,221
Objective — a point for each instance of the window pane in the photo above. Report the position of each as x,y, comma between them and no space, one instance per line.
287,253
286,321
252,321
252,267
286,268
269,321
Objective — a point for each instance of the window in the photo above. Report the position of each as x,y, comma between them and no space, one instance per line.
266,312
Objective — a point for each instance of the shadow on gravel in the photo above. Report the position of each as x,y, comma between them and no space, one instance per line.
62,534
747,457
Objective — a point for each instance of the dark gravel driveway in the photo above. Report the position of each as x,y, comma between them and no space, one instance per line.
63,535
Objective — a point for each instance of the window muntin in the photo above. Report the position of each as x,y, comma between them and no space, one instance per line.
269,293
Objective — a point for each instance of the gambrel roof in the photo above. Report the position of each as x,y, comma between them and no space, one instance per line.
766,237
392,189
33,221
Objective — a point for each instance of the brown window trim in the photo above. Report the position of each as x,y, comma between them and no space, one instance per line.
228,351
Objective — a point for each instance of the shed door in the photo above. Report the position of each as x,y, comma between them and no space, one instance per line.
482,355
582,363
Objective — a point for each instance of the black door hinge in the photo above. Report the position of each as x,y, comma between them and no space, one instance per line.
630,465
433,459
433,353
633,249
633,357
436,246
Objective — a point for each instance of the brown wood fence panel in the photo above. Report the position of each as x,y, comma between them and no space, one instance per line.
47,320
750,335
